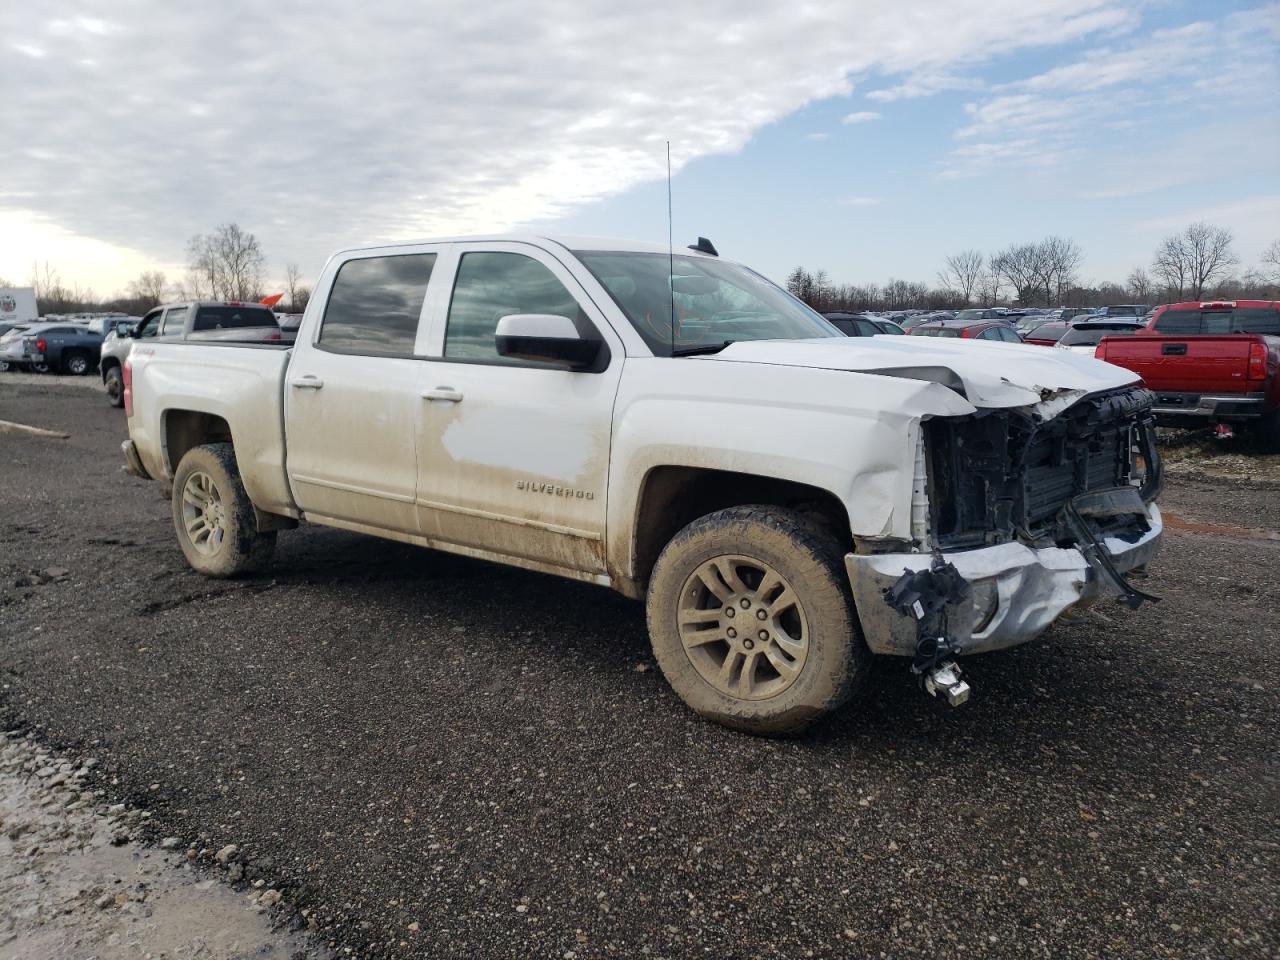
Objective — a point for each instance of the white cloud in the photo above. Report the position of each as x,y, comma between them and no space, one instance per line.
1191,70
860,201
862,116
330,124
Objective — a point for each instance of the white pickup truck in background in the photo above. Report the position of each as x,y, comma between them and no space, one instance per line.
788,501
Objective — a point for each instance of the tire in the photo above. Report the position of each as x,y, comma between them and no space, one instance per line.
39,368
114,382
4,366
213,517
1266,432
709,580
76,364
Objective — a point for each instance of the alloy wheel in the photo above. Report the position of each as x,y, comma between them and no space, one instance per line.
743,627
204,516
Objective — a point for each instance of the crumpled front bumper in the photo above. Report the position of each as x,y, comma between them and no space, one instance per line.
1017,591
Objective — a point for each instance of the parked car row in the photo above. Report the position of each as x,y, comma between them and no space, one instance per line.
61,346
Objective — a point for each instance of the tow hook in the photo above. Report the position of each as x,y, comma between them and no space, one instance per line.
926,596
945,680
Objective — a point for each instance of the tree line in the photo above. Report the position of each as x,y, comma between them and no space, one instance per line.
1198,262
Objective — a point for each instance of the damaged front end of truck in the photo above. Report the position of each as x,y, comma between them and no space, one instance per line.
1018,514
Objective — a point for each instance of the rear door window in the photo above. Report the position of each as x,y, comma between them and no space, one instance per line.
375,305
174,318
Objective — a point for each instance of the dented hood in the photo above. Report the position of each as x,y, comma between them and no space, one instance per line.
987,374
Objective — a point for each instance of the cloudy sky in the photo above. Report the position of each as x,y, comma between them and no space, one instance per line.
870,139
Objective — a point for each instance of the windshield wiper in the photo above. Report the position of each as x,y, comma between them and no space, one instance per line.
704,348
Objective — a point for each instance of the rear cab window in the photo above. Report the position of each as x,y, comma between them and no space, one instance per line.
229,318
1219,320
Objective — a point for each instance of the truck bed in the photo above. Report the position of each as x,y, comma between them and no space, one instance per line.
241,383
1217,376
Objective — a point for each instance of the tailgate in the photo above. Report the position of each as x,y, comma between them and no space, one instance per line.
1191,364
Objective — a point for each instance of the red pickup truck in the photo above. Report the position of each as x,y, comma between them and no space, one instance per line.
1211,362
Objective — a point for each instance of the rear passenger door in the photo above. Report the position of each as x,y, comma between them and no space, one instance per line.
352,392
513,456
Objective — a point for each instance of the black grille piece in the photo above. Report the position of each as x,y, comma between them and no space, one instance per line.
1001,474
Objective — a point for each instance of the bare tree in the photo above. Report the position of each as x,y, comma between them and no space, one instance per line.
989,285
52,295
962,272
294,287
1271,261
1058,262
1020,264
1190,261
226,264
148,288
1140,286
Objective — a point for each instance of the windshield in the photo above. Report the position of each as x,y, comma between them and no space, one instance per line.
936,332
1047,331
974,315
714,302
1091,334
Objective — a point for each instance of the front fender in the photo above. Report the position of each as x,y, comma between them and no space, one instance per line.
853,435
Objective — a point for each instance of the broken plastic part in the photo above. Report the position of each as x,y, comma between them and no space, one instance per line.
1101,504
925,595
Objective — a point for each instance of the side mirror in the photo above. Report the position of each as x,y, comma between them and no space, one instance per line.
545,337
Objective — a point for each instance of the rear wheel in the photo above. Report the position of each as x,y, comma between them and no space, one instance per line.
214,517
114,383
1266,432
76,364
39,368
752,622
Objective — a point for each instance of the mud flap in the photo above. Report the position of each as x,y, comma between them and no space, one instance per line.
1102,504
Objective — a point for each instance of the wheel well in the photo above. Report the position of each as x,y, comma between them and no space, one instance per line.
107,364
184,429
673,497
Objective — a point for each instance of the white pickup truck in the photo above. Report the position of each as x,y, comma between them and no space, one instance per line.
788,501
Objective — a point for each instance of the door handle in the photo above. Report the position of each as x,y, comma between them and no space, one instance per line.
307,383
1173,349
448,394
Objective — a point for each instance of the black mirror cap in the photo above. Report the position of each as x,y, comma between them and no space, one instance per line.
576,354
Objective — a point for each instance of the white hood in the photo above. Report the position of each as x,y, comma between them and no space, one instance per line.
989,374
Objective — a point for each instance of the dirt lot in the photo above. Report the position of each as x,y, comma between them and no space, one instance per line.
441,758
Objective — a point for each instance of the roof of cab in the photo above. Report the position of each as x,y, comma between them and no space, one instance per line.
569,242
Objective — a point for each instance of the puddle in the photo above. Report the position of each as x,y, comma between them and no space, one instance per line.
74,885
1173,521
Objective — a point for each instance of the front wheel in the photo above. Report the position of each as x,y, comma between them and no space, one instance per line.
39,368
114,383
213,515
752,622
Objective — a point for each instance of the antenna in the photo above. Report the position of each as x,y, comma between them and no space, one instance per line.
671,255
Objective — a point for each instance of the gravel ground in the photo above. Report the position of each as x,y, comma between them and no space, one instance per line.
74,885
441,758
